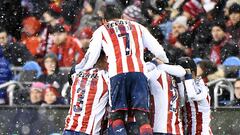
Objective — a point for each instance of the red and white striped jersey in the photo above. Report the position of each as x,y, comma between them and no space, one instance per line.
197,108
166,103
123,43
89,96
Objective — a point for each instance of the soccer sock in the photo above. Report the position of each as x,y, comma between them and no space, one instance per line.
118,127
145,129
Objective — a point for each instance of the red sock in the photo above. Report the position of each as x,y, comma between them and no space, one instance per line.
146,129
118,127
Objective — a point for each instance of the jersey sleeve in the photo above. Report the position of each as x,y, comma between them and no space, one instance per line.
93,52
174,70
151,71
153,46
181,91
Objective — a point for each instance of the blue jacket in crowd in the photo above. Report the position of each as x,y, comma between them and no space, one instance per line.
5,71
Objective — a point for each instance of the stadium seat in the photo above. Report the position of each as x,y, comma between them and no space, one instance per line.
232,61
232,67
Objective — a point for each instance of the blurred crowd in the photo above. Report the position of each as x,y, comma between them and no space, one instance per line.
44,36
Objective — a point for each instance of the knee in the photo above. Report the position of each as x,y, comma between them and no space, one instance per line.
117,115
141,117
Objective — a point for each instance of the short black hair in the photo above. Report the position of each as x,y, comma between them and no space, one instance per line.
58,28
220,24
235,8
187,62
112,12
2,29
54,14
208,67
148,56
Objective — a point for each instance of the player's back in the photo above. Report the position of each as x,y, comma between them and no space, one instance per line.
122,43
166,103
89,96
198,111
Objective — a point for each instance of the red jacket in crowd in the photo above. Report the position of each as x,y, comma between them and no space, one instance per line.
69,52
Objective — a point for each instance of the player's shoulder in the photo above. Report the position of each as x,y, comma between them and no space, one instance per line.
137,24
98,31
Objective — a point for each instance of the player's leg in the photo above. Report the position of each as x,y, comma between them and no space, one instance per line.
117,124
140,102
131,124
143,122
118,104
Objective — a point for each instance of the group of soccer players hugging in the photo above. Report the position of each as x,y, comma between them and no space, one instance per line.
117,93
179,102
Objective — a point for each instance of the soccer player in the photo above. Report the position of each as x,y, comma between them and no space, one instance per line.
197,107
89,96
166,99
123,42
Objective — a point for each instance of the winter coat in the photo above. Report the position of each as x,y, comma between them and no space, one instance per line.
5,71
68,52
17,54
59,78
235,32
219,51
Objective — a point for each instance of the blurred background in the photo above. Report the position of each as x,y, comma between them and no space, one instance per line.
40,40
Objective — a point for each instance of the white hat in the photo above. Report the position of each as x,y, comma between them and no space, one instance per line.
181,20
209,6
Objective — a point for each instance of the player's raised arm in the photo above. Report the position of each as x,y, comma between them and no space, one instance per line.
93,52
152,44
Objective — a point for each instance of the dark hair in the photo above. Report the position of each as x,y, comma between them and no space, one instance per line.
148,56
2,29
112,12
235,8
208,67
58,28
53,57
219,23
54,14
101,62
187,62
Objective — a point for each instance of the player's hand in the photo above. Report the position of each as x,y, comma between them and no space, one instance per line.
159,61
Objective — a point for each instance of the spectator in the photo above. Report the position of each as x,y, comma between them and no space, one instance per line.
209,71
5,76
51,96
49,19
16,53
29,37
66,47
219,35
11,16
30,72
51,74
220,43
36,93
236,101
234,15
178,39
198,36
84,37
